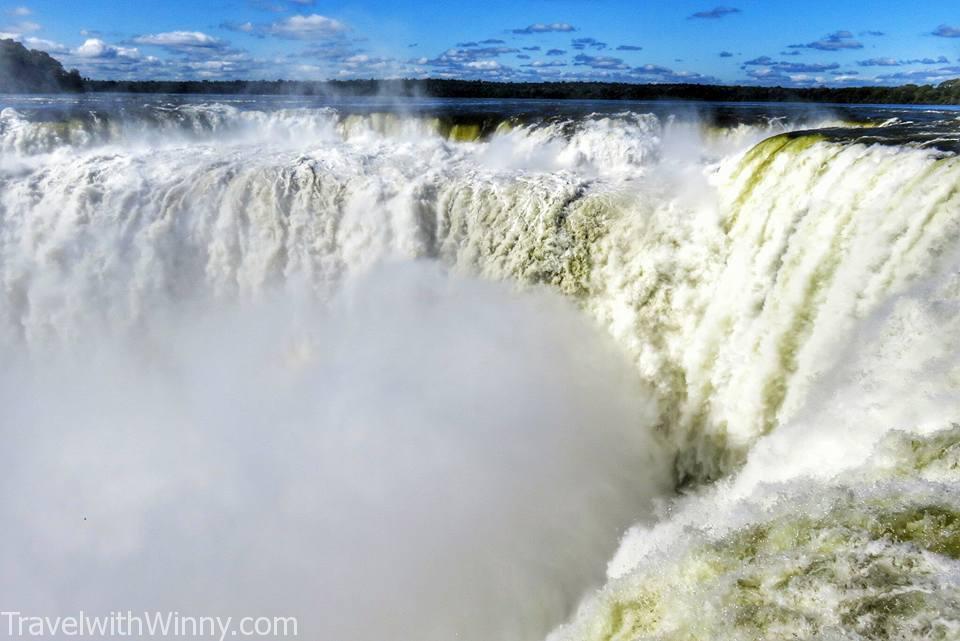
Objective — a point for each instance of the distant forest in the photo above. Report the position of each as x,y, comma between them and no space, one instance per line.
26,71
32,71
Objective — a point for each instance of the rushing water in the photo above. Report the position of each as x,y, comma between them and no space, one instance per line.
483,370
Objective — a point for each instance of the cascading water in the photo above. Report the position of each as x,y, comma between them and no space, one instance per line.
255,361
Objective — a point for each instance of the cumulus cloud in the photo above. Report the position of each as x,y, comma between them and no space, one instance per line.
463,56
366,64
344,60
469,61
725,54
921,76
582,43
539,27
20,12
486,65
894,62
298,27
192,43
482,62
46,45
629,48
946,31
714,14
767,70
789,67
599,62
491,41
832,42
545,64
306,27
879,62
95,48
660,74
194,55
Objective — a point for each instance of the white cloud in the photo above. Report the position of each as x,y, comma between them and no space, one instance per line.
309,27
555,27
20,12
181,40
46,45
97,49
544,64
947,31
483,65
19,30
832,42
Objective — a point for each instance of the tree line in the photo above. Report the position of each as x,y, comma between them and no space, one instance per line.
944,93
32,71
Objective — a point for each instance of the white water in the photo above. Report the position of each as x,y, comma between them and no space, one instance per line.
222,355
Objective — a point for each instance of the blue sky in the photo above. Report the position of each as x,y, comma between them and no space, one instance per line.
815,42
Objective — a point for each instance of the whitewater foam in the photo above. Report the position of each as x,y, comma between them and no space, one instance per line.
786,301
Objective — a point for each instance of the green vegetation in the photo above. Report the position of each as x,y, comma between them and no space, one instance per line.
945,93
26,71
23,71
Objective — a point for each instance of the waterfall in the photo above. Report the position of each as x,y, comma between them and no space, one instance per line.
567,319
